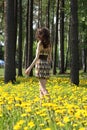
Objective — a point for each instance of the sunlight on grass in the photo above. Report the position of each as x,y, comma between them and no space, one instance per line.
20,105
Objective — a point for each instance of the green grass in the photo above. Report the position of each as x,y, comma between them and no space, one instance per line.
1,72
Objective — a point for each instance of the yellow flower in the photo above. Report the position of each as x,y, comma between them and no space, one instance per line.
9,108
31,124
1,114
41,125
24,115
77,115
82,128
20,122
66,119
47,129
17,127
28,109
60,124
26,128
74,125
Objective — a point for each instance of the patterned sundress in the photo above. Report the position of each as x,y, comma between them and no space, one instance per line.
42,67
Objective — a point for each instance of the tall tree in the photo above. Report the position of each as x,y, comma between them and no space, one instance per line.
40,14
9,43
84,54
15,24
20,40
74,43
48,14
52,22
30,34
62,36
56,39
26,45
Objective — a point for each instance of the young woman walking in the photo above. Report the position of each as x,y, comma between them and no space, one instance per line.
42,60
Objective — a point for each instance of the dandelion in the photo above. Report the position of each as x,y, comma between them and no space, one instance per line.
47,129
66,119
41,125
18,125
82,128
26,128
60,124
31,124
24,115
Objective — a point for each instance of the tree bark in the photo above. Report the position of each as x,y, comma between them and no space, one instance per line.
62,36
20,40
26,45
10,43
48,15
74,43
40,14
56,40
15,27
84,51
30,34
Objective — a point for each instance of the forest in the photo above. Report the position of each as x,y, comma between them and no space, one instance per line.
67,23
20,107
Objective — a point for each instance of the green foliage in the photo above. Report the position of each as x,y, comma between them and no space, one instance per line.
34,48
83,20
1,72
2,20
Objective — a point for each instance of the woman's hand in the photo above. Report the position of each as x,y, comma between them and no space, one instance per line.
27,71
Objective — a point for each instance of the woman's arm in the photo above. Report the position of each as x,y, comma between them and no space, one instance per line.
35,59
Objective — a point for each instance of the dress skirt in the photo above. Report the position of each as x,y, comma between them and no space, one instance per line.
42,69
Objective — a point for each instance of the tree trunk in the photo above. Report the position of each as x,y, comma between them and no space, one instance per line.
52,25
20,40
56,39
62,36
40,14
74,43
84,59
67,61
15,26
48,15
30,34
26,45
10,43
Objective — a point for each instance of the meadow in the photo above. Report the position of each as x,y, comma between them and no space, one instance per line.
20,107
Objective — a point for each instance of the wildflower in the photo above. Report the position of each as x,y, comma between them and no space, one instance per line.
20,122
41,125
82,128
18,125
66,119
47,129
60,124
31,124
26,128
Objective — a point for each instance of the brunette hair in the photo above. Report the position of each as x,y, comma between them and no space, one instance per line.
43,34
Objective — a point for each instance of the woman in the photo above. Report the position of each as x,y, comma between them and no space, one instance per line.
42,60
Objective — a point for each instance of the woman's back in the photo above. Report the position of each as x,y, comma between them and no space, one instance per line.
44,51
42,65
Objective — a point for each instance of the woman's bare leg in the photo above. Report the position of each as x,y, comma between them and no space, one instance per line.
43,90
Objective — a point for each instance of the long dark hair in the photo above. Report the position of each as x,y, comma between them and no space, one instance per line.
43,34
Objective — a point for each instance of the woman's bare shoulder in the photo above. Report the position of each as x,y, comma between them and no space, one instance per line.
39,45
